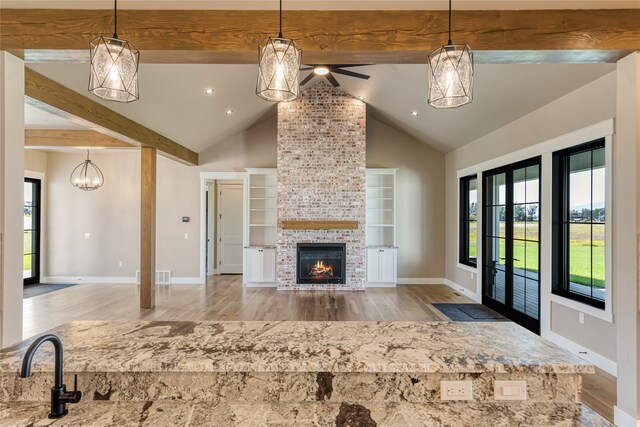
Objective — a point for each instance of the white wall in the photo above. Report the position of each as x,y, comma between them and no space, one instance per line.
627,192
111,214
583,107
11,197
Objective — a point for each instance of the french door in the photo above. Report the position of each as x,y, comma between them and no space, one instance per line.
31,212
511,242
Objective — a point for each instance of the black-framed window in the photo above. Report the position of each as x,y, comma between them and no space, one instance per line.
468,220
579,207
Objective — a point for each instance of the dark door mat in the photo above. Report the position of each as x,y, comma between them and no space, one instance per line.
31,291
469,313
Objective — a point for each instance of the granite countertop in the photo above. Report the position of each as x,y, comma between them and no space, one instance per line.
295,346
190,414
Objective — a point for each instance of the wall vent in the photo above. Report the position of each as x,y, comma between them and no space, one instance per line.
163,277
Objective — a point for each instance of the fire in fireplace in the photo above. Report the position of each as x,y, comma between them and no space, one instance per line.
321,263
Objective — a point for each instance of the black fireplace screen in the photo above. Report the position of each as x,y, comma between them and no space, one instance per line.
321,263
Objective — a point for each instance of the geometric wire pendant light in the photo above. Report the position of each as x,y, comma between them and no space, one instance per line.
279,62
87,176
114,67
450,74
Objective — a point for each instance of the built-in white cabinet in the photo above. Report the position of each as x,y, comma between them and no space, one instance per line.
382,253
260,252
261,266
382,266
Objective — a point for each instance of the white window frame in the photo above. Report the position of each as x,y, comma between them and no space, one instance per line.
604,129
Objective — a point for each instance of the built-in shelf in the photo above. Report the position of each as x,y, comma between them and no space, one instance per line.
381,207
260,253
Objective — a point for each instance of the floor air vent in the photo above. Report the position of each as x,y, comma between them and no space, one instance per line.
163,277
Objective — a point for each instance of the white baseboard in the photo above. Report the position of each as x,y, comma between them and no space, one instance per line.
86,279
622,419
464,291
592,357
421,281
114,280
379,285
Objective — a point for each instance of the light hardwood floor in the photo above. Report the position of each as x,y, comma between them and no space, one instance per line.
224,298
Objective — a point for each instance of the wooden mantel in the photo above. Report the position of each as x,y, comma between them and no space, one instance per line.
320,225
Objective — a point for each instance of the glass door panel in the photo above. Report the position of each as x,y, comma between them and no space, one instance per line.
511,242
31,227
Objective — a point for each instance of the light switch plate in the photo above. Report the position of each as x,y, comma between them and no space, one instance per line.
87,235
510,390
456,390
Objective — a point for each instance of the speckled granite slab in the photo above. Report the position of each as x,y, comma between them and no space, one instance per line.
102,414
219,387
287,346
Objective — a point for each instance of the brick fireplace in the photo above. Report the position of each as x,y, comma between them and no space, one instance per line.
321,160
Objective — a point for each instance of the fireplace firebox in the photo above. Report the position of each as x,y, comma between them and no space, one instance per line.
321,263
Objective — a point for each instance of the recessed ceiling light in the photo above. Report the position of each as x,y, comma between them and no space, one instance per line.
321,70
208,91
229,112
414,113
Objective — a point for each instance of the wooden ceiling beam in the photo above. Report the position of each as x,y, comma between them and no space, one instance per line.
57,99
48,138
228,36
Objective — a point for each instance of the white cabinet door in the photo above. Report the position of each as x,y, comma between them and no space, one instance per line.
261,265
254,265
269,266
387,259
373,265
382,266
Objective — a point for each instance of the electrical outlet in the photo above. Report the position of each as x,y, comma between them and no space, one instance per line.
472,276
120,263
456,390
581,318
87,235
186,235
510,390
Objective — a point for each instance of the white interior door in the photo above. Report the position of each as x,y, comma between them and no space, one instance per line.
230,209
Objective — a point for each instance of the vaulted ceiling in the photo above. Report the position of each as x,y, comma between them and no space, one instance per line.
173,100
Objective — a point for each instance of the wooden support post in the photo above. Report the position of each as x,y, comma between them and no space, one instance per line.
148,227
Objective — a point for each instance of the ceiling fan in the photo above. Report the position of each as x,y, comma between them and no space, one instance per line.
327,72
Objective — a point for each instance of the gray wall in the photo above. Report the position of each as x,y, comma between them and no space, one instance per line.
420,198
111,214
585,106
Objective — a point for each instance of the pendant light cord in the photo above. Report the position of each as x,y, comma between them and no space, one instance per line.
115,19
450,22
280,32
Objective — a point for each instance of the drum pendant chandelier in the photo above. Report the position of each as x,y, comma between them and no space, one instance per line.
279,62
114,67
450,74
87,176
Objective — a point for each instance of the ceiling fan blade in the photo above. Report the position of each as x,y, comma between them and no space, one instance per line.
351,74
332,80
306,79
